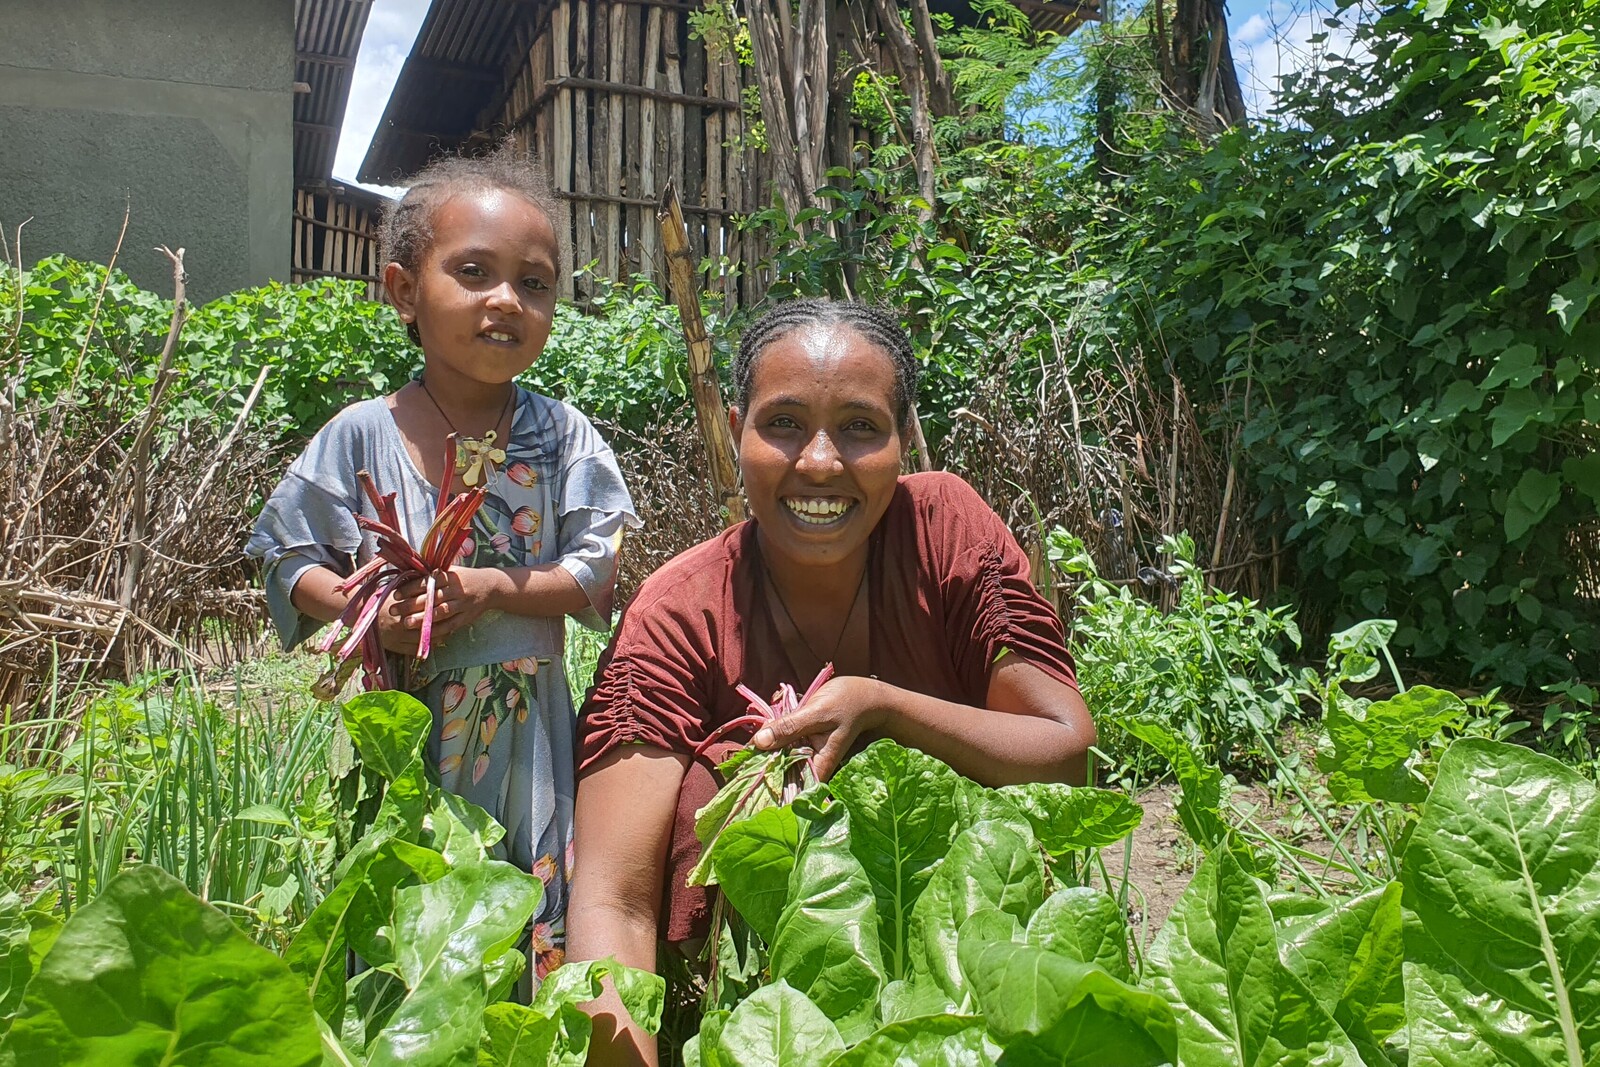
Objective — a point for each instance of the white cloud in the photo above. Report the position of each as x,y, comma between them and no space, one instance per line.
1278,41
391,29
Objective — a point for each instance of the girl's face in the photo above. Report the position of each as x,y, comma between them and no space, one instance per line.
819,445
483,293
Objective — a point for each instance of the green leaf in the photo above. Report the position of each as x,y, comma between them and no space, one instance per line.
354,914
642,993
777,1024
147,974
928,1041
266,814
1216,962
826,941
754,860
389,730
1086,925
1044,1008
1350,958
1068,819
1519,408
902,818
1371,755
518,1036
16,963
1583,473
1535,493
1503,875
990,866
444,933
1199,808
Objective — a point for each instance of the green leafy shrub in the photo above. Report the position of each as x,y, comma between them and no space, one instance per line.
1388,293
1208,670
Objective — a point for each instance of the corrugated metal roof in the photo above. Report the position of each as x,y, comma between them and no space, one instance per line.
452,75
327,36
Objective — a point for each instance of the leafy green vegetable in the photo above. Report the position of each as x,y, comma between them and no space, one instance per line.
753,863
1217,964
1372,754
902,818
990,866
1083,924
777,1024
930,1041
1069,819
1503,876
1350,957
1045,1008
826,946
148,975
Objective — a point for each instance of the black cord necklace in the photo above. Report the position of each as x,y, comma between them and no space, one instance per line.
787,614
473,454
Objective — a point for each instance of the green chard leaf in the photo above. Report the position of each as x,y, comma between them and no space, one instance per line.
389,730
826,942
753,863
1044,1008
149,974
777,1024
1350,958
1503,876
445,932
927,1041
1371,754
1085,925
990,867
1069,819
1216,962
902,818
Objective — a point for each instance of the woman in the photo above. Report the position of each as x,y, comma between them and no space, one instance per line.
911,587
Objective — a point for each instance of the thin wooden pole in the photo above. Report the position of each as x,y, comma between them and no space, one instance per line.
709,409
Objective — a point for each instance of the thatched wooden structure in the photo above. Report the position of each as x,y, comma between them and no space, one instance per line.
617,97
335,227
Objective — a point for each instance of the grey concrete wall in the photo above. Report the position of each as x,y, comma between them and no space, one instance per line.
182,110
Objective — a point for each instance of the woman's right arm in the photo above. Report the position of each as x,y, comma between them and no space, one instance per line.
622,826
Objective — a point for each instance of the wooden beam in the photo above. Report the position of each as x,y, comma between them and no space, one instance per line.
634,201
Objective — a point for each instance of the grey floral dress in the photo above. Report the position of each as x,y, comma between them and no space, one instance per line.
503,732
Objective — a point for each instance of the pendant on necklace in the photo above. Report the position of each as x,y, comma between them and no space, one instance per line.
477,457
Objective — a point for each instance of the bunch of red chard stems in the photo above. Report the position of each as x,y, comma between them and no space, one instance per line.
394,564
755,780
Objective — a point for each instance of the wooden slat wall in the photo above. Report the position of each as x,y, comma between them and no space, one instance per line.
334,239
617,98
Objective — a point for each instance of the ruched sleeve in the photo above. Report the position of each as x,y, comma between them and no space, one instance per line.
651,684
991,606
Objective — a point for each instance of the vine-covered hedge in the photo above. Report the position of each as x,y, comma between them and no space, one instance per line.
1388,294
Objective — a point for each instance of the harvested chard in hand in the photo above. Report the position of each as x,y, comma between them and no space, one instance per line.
394,564
756,780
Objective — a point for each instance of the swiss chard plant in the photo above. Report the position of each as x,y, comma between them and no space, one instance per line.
907,915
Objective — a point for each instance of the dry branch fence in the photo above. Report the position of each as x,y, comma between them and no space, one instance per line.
121,527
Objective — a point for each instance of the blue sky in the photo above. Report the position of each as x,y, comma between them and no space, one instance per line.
1269,38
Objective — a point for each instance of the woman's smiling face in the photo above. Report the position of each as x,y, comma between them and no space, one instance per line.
819,443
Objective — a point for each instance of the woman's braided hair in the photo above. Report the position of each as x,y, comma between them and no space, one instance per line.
407,228
876,326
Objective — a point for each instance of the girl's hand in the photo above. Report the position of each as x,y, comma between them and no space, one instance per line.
838,713
460,597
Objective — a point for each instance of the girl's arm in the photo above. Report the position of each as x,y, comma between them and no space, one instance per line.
622,826
1032,728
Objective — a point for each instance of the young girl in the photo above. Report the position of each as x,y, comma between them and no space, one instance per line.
473,264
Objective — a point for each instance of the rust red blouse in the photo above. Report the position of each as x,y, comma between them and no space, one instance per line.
949,592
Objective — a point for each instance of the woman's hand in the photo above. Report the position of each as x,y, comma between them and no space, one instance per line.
838,713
